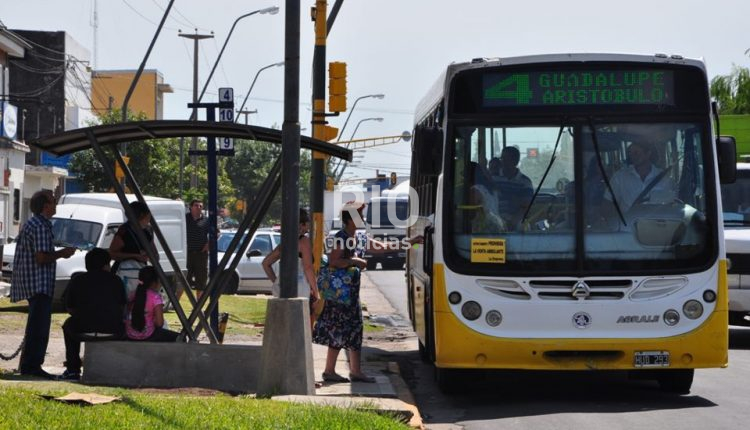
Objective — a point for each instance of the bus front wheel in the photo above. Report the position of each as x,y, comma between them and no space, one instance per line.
676,381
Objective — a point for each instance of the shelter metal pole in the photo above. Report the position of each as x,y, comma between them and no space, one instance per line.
132,219
252,220
160,236
213,195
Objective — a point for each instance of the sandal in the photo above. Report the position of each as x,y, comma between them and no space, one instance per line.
334,377
361,378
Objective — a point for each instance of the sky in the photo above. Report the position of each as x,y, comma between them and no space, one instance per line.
392,47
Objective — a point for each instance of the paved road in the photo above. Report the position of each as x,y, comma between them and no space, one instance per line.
564,400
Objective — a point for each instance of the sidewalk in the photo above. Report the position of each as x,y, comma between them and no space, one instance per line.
389,393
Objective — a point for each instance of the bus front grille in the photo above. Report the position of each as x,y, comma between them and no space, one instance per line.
614,289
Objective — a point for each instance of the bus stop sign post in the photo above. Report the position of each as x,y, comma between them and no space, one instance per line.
226,114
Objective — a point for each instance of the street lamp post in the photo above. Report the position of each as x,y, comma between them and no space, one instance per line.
376,96
344,163
273,10
281,63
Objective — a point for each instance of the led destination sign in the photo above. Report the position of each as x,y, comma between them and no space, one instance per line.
621,87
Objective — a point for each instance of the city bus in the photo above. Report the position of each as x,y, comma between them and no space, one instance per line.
598,245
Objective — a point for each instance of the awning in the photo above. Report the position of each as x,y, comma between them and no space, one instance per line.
77,140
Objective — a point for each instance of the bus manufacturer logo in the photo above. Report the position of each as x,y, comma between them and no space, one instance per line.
581,320
581,290
637,319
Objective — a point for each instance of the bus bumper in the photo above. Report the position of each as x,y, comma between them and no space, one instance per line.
459,347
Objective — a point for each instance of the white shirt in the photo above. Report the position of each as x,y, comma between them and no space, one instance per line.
627,185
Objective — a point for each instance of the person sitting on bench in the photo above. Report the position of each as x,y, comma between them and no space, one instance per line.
145,317
96,303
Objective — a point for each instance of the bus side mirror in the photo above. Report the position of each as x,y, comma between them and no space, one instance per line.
428,150
726,148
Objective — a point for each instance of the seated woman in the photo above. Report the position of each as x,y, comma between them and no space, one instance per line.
145,315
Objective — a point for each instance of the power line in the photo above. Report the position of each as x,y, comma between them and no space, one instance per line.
39,91
31,42
52,71
221,63
144,17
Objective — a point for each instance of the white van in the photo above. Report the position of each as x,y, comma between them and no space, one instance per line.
90,220
735,201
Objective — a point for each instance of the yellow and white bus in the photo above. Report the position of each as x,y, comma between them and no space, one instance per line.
611,258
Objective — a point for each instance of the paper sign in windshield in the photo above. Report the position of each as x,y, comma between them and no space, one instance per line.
487,250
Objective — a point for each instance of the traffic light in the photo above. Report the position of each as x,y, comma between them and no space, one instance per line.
330,133
337,87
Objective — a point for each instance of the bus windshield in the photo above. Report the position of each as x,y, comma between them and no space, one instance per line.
578,195
388,213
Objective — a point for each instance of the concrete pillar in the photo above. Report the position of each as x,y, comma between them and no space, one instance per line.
286,365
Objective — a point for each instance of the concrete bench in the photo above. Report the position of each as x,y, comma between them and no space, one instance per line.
230,368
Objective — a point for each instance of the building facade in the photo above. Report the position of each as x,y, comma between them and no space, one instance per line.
12,149
109,88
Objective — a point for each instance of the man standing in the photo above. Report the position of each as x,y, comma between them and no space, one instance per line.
34,280
197,245
96,303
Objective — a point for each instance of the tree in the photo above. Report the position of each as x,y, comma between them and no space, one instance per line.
732,91
154,165
252,164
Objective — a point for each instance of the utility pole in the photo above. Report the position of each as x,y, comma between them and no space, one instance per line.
320,130
247,113
194,144
318,174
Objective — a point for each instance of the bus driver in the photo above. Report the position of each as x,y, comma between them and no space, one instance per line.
641,180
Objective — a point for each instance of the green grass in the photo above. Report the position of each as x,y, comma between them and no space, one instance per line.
247,314
24,408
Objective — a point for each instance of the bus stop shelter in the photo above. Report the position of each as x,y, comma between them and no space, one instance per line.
99,137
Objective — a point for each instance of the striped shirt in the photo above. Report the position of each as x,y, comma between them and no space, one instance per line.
30,278
197,232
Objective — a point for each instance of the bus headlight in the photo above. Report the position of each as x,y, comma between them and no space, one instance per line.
471,310
454,298
493,318
671,317
692,309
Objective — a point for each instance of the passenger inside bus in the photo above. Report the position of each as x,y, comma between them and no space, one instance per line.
514,189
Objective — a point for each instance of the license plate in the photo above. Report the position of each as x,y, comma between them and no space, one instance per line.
651,359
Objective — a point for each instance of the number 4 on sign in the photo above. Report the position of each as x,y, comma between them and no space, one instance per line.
226,94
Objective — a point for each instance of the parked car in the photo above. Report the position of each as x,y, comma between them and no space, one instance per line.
249,276
735,201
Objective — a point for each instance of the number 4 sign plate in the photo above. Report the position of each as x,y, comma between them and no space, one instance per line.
226,94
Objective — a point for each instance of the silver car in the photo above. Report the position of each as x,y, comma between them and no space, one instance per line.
249,277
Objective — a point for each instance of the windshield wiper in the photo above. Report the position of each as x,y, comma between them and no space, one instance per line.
595,141
546,172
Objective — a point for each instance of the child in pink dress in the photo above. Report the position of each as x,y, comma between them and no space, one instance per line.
145,317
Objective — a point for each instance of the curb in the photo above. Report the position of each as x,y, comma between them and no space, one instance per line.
404,394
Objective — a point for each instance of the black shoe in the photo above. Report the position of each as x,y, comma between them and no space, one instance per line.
38,373
69,375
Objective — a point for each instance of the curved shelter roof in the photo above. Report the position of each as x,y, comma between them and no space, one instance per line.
78,139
